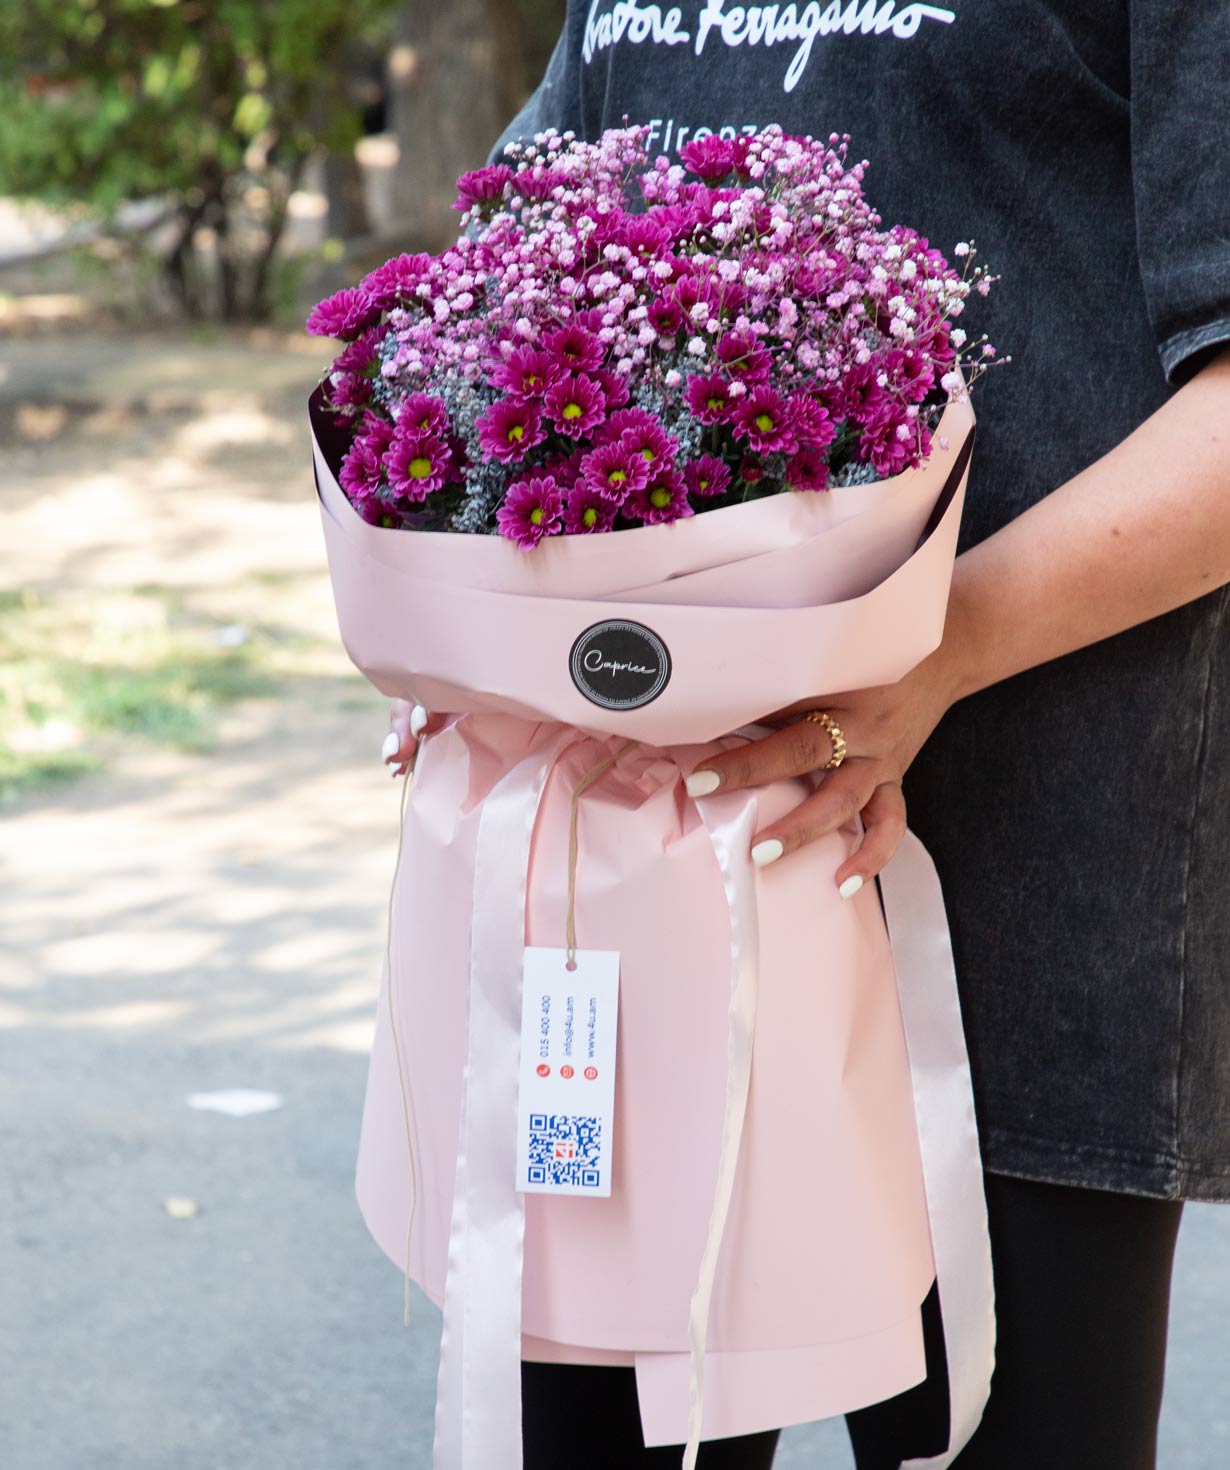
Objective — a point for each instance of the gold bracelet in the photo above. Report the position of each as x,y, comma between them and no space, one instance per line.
833,730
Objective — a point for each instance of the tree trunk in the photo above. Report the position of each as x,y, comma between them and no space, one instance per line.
343,184
456,76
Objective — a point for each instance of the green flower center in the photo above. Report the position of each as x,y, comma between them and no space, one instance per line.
715,403
572,410
420,468
702,485
764,422
616,477
517,433
647,455
536,516
659,497
589,516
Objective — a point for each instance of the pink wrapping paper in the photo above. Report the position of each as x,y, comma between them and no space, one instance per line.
826,595
826,1250
827,1247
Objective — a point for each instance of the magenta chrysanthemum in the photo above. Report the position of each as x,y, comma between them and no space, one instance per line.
707,476
376,430
614,388
742,356
887,445
350,392
860,393
483,185
575,349
763,420
621,421
665,316
527,373
645,237
709,399
362,472
533,508
343,315
425,413
510,429
808,470
812,425
575,405
396,280
587,510
614,470
680,219
377,512
417,464
566,468
711,159
361,354
693,290
651,441
539,183
663,499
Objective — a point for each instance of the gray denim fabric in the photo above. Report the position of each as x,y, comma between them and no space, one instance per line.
1079,814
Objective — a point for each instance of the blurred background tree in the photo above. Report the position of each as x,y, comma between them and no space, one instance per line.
215,108
458,72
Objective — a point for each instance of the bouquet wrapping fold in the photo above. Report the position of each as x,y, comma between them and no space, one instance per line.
795,1154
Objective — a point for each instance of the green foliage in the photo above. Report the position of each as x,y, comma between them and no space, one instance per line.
200,100
109,99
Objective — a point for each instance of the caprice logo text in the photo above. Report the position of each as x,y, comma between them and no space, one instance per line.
755,25
594,663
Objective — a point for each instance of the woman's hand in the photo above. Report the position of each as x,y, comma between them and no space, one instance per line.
406,723
884,729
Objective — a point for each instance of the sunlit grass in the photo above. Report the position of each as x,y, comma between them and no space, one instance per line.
82,672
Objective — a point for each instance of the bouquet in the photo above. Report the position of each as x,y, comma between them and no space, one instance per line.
611,347
788,1158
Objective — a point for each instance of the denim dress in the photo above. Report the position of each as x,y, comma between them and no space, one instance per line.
1078,813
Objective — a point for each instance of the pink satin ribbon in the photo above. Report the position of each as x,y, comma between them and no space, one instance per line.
478,1407
947,1135
478,1400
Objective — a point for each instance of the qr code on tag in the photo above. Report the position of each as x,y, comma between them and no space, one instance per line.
564,1149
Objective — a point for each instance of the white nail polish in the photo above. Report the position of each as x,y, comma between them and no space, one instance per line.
767,852
702,783
418,720
851,886
392,744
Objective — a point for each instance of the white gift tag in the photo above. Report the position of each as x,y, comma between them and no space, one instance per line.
567,1094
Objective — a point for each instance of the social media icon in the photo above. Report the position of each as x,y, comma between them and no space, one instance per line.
591,1072
543,1069
565,1070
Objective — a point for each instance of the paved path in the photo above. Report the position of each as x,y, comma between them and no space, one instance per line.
185,924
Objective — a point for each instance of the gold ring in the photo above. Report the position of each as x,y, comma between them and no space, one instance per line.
833,730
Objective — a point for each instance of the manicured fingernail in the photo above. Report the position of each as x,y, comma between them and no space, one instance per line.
767,852
392,744
418,720
851,886
702,783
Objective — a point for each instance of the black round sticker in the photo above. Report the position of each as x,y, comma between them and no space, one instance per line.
620,665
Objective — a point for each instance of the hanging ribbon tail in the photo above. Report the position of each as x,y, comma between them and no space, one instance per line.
478,1402
731,835
947,1135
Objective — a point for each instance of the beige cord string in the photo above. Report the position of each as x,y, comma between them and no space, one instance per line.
595,773
401,1076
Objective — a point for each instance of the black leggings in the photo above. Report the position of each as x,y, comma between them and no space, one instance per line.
1082,1281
